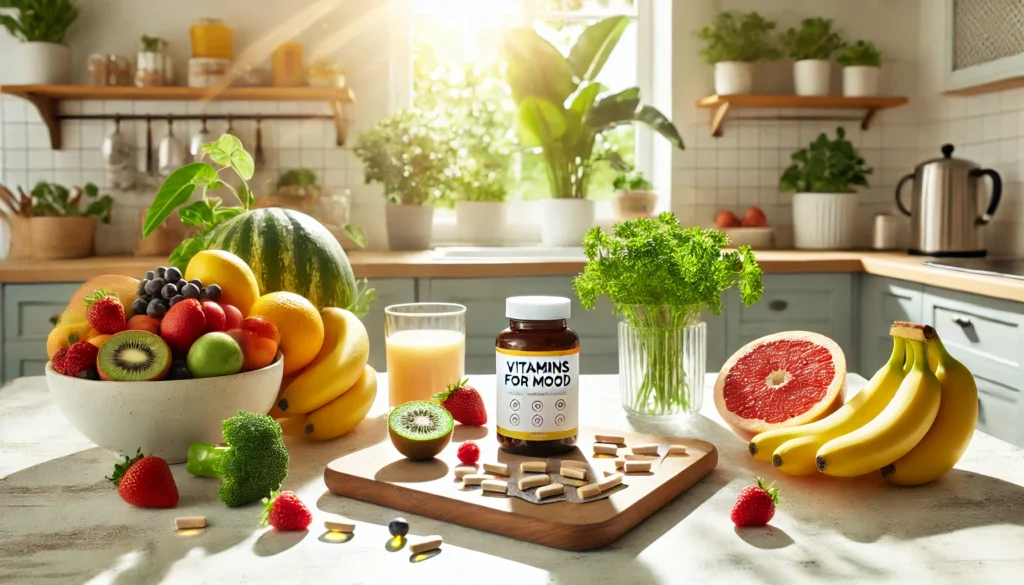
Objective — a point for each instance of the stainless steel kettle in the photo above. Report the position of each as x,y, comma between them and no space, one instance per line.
946,218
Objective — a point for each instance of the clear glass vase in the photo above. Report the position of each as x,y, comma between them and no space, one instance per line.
662,354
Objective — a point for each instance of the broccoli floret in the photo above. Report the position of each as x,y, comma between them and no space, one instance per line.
253,464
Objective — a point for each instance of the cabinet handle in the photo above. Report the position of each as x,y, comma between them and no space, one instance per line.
981,413
962,321
778,305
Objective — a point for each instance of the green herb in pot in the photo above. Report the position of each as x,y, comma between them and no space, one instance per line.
738,37
660,276
39,21
861,53
631,181
815,39
826,166
53,200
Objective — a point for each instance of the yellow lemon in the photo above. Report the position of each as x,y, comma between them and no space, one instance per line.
300,325
64,335
235,278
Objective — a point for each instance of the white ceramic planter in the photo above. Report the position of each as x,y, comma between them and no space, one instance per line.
34,63
811,76
734,77
825,221
633,204
860,81
566,221
410,227
481,222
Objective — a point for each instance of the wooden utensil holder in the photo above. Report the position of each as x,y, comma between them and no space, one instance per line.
52,238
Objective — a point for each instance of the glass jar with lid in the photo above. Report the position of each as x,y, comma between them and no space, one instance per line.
212,39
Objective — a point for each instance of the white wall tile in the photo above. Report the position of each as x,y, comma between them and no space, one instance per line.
15,135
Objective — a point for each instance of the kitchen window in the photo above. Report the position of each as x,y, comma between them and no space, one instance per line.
456,67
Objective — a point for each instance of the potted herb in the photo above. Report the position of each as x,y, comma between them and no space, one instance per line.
733,44
861,63
153,65
561,111
634,197
404,154
811,46
824,177
480,210
660,276
41,25
50,222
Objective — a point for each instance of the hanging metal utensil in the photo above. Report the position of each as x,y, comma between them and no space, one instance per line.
149,146
170,152
258,157
195,146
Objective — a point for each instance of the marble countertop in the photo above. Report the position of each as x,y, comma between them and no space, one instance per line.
61,522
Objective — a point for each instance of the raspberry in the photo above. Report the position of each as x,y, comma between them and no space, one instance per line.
469,453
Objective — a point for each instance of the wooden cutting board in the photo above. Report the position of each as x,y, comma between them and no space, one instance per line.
380,475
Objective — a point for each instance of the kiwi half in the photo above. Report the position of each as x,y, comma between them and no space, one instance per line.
420,429
134,356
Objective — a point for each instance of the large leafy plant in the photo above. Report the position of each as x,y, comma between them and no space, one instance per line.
659,277
53,200
815,39
860,53
826,166
45,21
562,108
738,37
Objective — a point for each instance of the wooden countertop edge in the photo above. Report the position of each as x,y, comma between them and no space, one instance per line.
424,265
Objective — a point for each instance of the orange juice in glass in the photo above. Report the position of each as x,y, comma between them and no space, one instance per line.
426,349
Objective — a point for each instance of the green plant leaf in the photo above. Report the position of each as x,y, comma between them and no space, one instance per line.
364,297
614,109
181,255
197,214
592,49
175,191
540,123
535,67
245,196
657,121
223,214
101,208
356,233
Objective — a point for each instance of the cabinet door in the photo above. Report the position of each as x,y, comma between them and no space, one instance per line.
819,302
484,299
27,310
882,301
24,358
390,291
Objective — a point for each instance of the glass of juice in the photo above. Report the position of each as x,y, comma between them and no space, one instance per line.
426,349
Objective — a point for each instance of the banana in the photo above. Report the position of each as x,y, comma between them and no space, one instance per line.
895,431
952,430
860,409
336,368
342,414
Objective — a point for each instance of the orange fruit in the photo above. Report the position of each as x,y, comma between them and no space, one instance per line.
237,282
99,340
64,335
123,286
300,325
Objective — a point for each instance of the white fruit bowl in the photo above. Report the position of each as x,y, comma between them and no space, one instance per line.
758,238
162,418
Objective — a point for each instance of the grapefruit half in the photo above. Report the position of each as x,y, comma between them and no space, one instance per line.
781,380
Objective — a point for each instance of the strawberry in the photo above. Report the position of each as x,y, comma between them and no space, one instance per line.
80,358
285,511
756,504
105,312
464,404
468,453
57,361
145,482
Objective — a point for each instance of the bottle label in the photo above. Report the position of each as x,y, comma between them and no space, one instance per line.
538,394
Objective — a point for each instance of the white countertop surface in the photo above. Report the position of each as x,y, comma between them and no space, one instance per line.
61,522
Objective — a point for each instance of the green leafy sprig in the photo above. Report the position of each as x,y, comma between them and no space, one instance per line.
632,181
815,39
45,21
53,200
826,166
861,53
739,37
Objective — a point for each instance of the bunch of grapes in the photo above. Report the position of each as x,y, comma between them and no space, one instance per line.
164,287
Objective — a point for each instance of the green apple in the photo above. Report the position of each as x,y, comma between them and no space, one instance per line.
214,354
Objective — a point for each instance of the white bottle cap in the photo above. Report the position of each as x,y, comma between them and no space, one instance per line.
537,308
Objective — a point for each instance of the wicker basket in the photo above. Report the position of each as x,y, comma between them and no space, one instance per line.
52,238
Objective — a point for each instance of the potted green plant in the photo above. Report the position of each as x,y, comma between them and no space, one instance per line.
634,196
480,210
824,177
403,153
562,109
50,222
733,44
41,25
811,46
660,276
861,63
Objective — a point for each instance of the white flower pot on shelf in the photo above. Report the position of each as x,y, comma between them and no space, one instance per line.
633,204
481,222
825,221
566,221
410,227
39,63
734,77
811,76
860,81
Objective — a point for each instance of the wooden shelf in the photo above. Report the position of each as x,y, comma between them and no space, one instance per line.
47,98
724,104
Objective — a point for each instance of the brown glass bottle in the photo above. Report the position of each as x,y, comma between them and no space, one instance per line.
537,378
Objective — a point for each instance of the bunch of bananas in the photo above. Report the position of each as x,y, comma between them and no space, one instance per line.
333,394
912,421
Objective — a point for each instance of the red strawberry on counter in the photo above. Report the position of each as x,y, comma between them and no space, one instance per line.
105,312
464,404
79,359
145,482
285,511
756,504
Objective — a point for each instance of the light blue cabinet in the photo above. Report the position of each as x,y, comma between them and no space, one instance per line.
27,309
883,301
390,291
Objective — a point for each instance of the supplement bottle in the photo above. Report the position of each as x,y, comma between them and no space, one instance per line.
538,365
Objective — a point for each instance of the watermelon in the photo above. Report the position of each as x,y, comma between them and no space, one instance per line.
289,251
